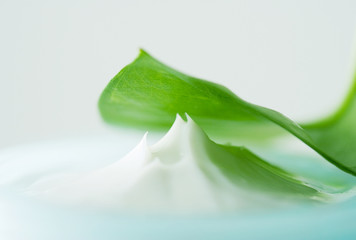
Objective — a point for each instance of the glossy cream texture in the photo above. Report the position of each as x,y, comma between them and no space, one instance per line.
174,175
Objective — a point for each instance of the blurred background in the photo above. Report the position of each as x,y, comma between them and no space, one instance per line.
56,57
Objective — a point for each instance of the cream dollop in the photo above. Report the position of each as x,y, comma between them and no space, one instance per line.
174,175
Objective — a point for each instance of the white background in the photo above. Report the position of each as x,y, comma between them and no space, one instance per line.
57,57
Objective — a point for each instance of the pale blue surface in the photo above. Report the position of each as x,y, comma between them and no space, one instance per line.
35,221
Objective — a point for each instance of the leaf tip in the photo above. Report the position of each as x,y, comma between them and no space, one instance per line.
143,52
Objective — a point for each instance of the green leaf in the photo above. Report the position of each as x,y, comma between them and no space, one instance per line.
148,94
249,171
336,134
246,169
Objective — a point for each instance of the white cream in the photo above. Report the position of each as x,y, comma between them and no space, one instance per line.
174,175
